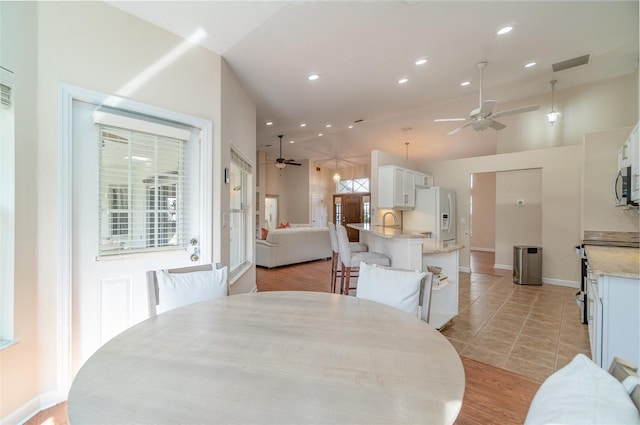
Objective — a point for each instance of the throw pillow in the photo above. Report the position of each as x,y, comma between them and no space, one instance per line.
265,233
179,289
582,393
397,288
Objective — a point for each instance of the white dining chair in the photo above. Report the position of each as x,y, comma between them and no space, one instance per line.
172,288
350,261
407,290
335,258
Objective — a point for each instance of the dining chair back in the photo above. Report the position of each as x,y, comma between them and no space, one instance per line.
335,261
399,288
171,288
350,261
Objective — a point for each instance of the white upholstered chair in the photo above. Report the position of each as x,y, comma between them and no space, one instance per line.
335,258
173,288
350,261
407,290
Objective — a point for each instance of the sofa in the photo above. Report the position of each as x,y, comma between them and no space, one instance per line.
291,245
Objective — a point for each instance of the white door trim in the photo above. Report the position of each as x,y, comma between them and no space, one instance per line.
66,95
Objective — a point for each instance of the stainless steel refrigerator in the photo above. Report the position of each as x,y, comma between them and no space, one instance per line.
435,212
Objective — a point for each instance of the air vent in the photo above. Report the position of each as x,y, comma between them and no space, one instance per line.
570,63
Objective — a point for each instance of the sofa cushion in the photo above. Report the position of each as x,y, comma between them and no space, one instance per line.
582,393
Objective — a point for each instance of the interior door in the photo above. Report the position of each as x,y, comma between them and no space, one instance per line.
109,293
352,211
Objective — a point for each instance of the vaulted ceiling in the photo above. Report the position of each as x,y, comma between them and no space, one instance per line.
361,49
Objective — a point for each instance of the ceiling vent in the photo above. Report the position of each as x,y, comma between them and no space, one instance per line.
570,63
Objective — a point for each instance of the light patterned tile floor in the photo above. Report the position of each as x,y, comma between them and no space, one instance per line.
531,330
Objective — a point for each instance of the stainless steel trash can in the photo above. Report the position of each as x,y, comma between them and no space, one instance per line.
527,265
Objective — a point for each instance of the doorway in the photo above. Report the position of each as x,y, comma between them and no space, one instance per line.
352,208
271,211
505,209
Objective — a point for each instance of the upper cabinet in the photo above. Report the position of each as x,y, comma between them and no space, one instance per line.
397,187
629,167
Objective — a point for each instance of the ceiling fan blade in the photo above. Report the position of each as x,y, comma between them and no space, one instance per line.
487,107
497,125
455,130
450,119
516,111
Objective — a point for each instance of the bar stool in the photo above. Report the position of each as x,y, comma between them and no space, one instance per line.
350,261
354,246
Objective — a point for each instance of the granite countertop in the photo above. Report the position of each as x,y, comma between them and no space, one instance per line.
429,245
388,231
614,261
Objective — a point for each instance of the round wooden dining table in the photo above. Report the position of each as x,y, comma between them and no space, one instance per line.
273,358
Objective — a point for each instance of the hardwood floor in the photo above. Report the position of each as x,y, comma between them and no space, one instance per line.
492,395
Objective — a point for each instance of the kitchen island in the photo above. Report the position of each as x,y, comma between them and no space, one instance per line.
411,250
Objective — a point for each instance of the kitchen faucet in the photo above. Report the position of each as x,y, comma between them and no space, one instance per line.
384,216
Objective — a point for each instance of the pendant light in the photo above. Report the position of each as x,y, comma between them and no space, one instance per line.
336,176
553,115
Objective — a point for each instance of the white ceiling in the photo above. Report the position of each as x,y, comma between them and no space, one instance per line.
361,48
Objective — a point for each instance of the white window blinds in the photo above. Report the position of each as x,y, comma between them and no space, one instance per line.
143,203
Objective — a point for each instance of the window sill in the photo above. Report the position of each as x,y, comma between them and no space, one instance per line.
6,343
239,272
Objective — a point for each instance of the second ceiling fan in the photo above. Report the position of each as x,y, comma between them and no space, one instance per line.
280,161
483,117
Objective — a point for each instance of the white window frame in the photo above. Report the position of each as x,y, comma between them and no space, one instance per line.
246,208
7,213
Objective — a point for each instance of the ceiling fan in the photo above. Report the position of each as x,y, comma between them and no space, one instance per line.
280,161
483,117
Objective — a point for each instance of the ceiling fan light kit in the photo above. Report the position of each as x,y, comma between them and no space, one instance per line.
483,117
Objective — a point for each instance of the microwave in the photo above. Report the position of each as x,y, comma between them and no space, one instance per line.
622,187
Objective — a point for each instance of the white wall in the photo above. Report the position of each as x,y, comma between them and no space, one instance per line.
94,46
600,167
605,104
517,224
292,185
561,176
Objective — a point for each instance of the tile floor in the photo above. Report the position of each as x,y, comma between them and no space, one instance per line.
531,330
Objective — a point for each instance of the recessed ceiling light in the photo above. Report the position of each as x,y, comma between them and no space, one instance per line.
351,126
320,134
313,77
530,64
504,30
303,125
269,123
421,61
291,141
328,125
402,80
465,83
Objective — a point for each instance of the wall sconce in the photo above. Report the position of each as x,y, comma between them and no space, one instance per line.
553,115
336,176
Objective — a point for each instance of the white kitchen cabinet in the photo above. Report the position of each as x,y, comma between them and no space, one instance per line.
396,188
423,180
629,156
614,318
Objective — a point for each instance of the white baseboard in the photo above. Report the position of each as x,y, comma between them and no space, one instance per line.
482,249
31,408
559,282
464,269
503,267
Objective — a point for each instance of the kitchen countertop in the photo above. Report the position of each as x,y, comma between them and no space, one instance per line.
614,261
429,245
388,231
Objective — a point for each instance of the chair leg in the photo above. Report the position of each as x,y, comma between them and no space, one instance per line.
334,271
347,271
342,279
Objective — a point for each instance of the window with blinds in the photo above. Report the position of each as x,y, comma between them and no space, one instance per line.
143,202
